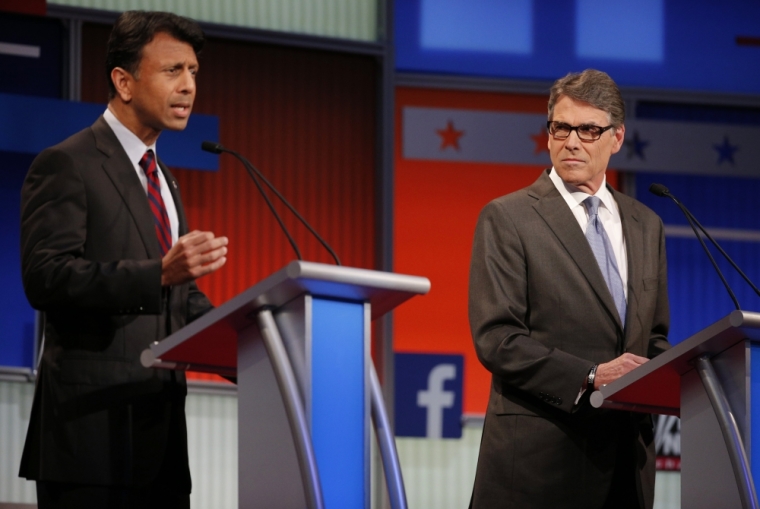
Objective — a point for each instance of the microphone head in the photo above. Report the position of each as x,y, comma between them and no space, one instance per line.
213,147
659,190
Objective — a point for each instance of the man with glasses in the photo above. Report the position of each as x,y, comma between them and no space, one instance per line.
568,292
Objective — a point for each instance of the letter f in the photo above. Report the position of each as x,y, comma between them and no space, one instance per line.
435,399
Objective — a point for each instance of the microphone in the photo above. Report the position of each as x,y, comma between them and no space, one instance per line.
218,148
212,146
660,190
656,189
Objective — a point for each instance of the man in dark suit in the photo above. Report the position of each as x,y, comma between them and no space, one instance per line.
567,293
106,255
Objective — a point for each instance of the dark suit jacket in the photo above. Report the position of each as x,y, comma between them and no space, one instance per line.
91,261
541,317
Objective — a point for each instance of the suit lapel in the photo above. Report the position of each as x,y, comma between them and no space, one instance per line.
634,247
174,190
121,171
554,210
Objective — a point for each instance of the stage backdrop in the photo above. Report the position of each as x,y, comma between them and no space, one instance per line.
438,196
307,120
458,150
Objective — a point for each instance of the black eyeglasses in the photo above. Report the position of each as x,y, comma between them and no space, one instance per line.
586,132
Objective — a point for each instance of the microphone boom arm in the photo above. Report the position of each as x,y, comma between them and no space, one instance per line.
217,148
660,190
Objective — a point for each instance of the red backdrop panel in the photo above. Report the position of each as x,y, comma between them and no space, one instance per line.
38,7
306,119
436,208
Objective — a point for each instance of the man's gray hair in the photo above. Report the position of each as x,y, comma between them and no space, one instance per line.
593,87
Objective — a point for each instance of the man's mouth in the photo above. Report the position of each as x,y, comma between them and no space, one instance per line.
181,110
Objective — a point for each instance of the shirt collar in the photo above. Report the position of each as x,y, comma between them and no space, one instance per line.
574,196
133,146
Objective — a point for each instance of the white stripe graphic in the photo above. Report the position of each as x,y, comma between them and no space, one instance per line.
19,50
520,138
717,233
487,136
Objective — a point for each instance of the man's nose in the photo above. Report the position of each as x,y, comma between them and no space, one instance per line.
572,141
187,83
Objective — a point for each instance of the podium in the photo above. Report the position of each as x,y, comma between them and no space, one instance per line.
712,380
299,344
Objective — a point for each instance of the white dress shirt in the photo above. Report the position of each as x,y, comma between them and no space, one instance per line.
135,149
609,214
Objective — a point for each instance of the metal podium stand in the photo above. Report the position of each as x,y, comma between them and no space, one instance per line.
712,380
299,344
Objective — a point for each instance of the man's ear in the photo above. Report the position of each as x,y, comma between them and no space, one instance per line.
122,82
619,136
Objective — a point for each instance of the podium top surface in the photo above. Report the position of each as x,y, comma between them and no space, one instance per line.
211,340
656,385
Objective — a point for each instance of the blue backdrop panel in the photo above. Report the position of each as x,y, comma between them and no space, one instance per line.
641,43
705,113
339,403
32,65
30,124
697,297
16,315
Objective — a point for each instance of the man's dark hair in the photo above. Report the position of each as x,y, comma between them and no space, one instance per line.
134,29
593,87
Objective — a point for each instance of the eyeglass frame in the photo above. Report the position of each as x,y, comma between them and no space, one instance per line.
575,128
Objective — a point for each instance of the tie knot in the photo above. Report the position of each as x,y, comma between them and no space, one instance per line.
148,162
592,205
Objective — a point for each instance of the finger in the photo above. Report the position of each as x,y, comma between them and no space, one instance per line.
217,264
206,243
629,357
195,238
190,235
203,270
215,243
212,256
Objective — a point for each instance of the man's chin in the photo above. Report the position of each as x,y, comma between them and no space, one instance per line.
570,176
176,124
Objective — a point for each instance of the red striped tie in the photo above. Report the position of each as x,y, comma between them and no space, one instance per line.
160,217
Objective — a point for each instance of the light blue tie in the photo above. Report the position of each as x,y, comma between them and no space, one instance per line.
605,256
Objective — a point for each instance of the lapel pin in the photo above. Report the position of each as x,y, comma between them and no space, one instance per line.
174,183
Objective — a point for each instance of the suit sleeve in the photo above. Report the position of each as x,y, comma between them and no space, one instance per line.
499,315
55,270
197,303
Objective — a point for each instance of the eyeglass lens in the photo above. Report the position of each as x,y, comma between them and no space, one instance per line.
587,132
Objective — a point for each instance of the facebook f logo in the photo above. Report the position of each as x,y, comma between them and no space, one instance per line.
428,395
435,399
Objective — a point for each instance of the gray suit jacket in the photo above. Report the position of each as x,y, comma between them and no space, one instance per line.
541,316
91,261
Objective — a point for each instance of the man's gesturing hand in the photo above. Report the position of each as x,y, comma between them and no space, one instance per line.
192,256
611,371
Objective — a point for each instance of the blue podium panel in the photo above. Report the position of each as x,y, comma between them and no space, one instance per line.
339,402
753,413
306,384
